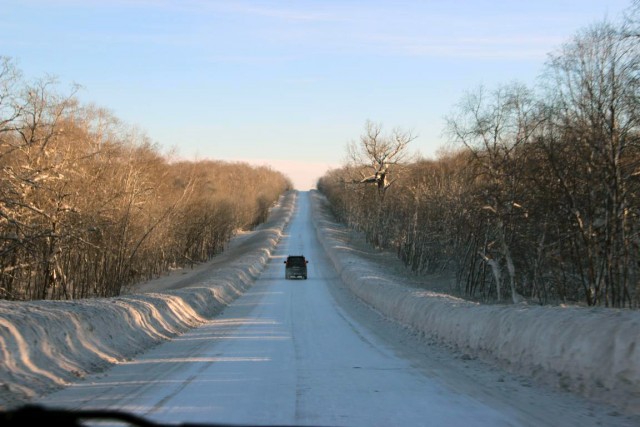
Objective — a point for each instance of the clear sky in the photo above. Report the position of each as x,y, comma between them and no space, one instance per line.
287,83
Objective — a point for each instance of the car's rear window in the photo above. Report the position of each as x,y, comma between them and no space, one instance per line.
295,260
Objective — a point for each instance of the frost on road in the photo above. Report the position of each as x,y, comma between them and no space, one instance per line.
305,352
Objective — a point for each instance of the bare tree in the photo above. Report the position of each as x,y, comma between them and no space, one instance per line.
543,200
377,159
495,127
382,156
89,205
594,86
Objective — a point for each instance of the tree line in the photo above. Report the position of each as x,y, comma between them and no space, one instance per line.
89,205
539,196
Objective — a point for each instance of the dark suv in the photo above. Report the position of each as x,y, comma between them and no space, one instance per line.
296,266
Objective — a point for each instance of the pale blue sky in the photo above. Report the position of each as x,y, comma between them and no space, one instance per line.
287,83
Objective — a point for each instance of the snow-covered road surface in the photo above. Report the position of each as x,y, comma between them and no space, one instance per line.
306,352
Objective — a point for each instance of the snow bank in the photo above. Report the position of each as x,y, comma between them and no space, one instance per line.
46,344
595,352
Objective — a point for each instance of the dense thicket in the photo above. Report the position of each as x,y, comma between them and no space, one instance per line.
88,205
541,197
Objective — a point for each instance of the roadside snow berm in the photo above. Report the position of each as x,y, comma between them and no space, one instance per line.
592,351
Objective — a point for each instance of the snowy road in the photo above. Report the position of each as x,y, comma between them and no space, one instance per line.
304,352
